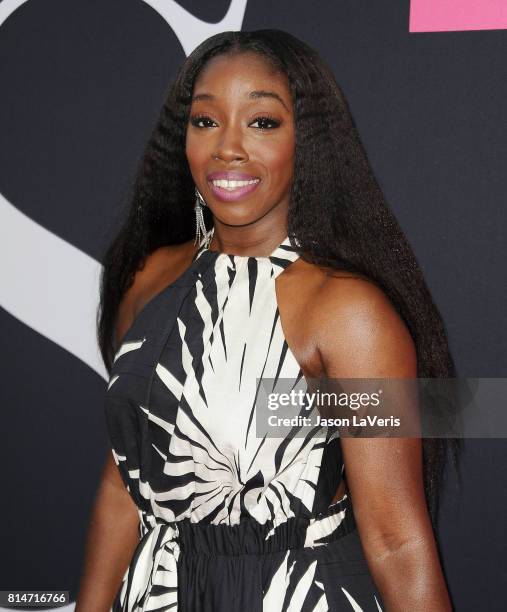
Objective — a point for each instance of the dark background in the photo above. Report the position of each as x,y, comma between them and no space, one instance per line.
82,84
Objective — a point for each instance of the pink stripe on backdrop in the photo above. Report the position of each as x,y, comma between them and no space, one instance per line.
453,15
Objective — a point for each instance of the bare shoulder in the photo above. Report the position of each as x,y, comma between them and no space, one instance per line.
163,263
299,295
159,269
327,294
358,330
345,294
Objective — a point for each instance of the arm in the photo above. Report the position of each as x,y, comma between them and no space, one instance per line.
112,537
113,532
360,335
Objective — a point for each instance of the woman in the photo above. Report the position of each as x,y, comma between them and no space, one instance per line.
300,270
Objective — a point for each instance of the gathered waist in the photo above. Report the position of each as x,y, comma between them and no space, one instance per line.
249,537
154,566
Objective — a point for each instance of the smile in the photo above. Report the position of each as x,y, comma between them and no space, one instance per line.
232,190
231,185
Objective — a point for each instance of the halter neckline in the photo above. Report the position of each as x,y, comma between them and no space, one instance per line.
280,251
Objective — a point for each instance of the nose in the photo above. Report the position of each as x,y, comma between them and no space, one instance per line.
229,146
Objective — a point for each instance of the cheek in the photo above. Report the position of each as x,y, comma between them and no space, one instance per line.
279,159
195,151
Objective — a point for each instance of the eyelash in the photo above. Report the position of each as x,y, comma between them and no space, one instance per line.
195,120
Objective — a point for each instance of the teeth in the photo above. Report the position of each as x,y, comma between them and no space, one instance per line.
230,185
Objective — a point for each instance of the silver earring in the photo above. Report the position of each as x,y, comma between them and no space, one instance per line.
202,236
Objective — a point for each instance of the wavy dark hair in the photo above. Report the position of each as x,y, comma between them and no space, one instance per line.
360,233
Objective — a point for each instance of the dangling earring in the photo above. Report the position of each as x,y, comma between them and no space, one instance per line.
201,233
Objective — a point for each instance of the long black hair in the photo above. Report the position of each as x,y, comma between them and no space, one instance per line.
333,181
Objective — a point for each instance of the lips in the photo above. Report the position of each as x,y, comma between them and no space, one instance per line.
226,191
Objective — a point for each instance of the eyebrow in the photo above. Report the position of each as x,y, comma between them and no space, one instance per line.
257,93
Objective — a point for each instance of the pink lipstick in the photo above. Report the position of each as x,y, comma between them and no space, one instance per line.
232,186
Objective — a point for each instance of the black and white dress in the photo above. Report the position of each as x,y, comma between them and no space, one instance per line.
228,521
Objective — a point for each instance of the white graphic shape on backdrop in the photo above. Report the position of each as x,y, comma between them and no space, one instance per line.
192,31
47,283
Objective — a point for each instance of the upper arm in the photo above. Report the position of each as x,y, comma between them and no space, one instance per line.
361,335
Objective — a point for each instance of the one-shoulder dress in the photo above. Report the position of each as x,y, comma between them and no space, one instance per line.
229,521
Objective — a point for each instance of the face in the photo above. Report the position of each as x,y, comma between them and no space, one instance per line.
240,140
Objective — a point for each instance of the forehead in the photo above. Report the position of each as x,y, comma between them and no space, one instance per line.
238,73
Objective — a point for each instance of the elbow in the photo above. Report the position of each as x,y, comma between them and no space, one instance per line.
383,545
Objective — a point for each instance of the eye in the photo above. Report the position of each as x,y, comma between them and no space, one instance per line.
266,122
197,119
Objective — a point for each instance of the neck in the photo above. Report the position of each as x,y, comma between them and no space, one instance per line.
244,242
